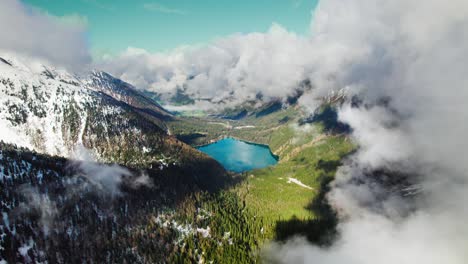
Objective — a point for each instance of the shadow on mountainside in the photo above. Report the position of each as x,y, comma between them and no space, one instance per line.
320,230
328,117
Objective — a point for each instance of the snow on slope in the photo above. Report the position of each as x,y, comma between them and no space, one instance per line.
51,111
103,82
34,99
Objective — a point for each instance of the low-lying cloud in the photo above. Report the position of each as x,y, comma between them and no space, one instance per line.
408,67
271,65
89,177
231,70
107,179
58,40
39,203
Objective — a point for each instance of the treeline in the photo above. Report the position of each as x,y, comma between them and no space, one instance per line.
220,230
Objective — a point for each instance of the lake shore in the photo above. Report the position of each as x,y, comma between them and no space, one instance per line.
238,139
238,155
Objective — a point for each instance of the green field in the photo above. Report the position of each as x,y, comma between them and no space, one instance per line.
273,196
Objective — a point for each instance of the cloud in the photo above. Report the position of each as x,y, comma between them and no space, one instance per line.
156,7
232,69
58,40
296,3
240,67
107,179
104,180
140,181
99,5
39,203
409,70
72,20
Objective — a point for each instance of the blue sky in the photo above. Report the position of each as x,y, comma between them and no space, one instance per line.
161,25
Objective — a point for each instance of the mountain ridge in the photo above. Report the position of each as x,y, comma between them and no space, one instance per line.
52,111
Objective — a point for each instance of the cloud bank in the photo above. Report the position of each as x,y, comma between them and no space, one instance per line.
58,40
232,69
408,67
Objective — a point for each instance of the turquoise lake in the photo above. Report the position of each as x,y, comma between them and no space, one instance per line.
239,156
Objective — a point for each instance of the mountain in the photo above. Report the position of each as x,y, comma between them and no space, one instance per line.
250,109
58,208
55,210
103,82
51,111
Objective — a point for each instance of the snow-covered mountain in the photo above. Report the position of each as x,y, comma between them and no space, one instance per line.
50,204
52,111
34,102
103,82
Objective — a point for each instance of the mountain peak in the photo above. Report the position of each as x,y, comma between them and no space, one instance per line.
50,110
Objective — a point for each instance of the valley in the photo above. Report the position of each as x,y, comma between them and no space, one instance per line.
286,198
308,132
167,199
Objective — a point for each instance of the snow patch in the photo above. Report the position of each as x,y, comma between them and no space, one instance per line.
6,220
205,232
23,250
242,127
11,136
298,182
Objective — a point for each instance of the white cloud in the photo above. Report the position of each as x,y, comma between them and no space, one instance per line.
100,5
399,52
296,3
41,203
235,68
142,180
107,178
163,9
28,31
